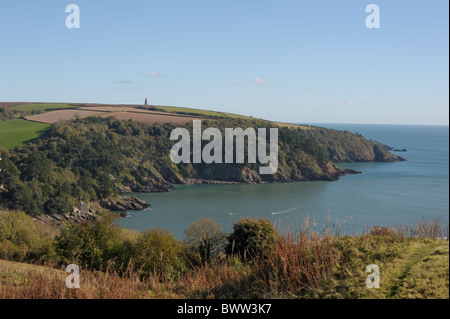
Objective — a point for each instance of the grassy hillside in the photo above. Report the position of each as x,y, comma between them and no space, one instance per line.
422,272
17,132
298,267
294,126
192,111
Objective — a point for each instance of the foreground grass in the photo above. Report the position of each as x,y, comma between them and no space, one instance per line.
419,271
423,273
24,281
409,268
19,131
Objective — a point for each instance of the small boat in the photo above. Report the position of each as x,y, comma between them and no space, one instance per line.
125,215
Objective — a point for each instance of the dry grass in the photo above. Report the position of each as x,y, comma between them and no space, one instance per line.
23,281
303,264
426,228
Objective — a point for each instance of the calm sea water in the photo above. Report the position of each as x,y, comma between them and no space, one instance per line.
386,194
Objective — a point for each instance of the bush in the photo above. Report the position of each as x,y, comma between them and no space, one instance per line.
383,231
251,236
204,240
21,239
92,244
158,251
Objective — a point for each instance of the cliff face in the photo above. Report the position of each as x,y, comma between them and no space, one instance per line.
323,171
327,171
340,146
344,146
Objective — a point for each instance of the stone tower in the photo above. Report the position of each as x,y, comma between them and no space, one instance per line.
146,102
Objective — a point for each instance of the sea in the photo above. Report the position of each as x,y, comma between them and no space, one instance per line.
386,194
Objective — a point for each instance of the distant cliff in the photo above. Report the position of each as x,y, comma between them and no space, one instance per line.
344,146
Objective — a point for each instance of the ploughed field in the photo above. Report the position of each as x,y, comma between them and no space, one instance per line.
118,112
60,115
151,118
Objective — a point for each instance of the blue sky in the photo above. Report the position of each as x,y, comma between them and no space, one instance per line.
294,61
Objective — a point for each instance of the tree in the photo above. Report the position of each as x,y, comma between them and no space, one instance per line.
57,205
90,243
23,198
204,240
157,250
251,236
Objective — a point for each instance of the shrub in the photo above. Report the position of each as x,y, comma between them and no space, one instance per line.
158,251
383,231
204,240
256,237
91,243
21,239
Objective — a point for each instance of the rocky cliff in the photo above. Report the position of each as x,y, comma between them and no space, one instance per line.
344,146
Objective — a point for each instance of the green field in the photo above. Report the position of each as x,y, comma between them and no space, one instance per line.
235,116
290,125
17,132
191,111
42,107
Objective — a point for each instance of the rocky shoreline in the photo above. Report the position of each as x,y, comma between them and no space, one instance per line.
196,181
123,204
120,204
248,176
59,219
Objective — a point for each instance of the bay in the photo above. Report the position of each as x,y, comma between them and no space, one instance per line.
385,194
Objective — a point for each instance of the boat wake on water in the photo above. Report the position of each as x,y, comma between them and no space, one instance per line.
284,211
